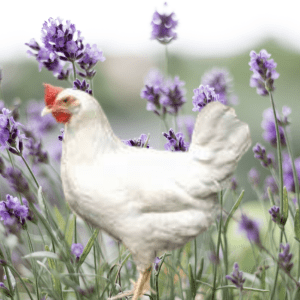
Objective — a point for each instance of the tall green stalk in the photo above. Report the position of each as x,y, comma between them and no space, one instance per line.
218,248
280,183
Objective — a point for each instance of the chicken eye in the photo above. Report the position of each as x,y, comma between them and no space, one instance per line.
65,100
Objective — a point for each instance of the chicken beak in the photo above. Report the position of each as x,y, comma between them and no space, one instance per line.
46,111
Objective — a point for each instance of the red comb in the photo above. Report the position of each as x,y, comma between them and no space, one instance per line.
51,93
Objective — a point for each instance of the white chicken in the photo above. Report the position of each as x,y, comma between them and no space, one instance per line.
150,200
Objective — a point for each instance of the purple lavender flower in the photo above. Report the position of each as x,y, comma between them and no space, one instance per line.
61,137
260,154
34,149
77,250
277,217
186,123
270,183
63,43
236,277
234,184
163,26
202,96
173,95
220,80
251,229
5,290
152,92
18,183
13,214
268,124
264,72
91,56
59,38
285,258
163,96
139,142
9,133
83,86
212,256
254,177
36,123
156,263
176,141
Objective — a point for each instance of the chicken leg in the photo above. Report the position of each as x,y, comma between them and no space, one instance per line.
140,287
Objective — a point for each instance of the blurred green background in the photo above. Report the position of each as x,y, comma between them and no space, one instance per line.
119,81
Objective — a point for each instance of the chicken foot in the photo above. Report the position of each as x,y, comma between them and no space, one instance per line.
140,287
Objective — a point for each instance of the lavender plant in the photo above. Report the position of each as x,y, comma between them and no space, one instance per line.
56,265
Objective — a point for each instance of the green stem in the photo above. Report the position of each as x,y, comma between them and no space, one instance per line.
280,180
91,84
37,184
225,259
166,124
166,60
96,270
20,278
278,153
195,247
33,266
8,280
218,248
74,70
1,92
277,270
75,229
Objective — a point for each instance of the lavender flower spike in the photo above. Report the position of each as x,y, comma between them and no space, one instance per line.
176,141
285,258
156,263
152,92
236,277
251,229
163,26
77,250
274,211
264,72
254,177
268,124
220,80
260,154
202,96
140,142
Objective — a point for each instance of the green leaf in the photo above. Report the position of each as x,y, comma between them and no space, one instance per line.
88,247
234,208
70,231
199,275
42,254
285,212
55,280
60,219
192,282
146,143
297,224
263,278
6,292
40,200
